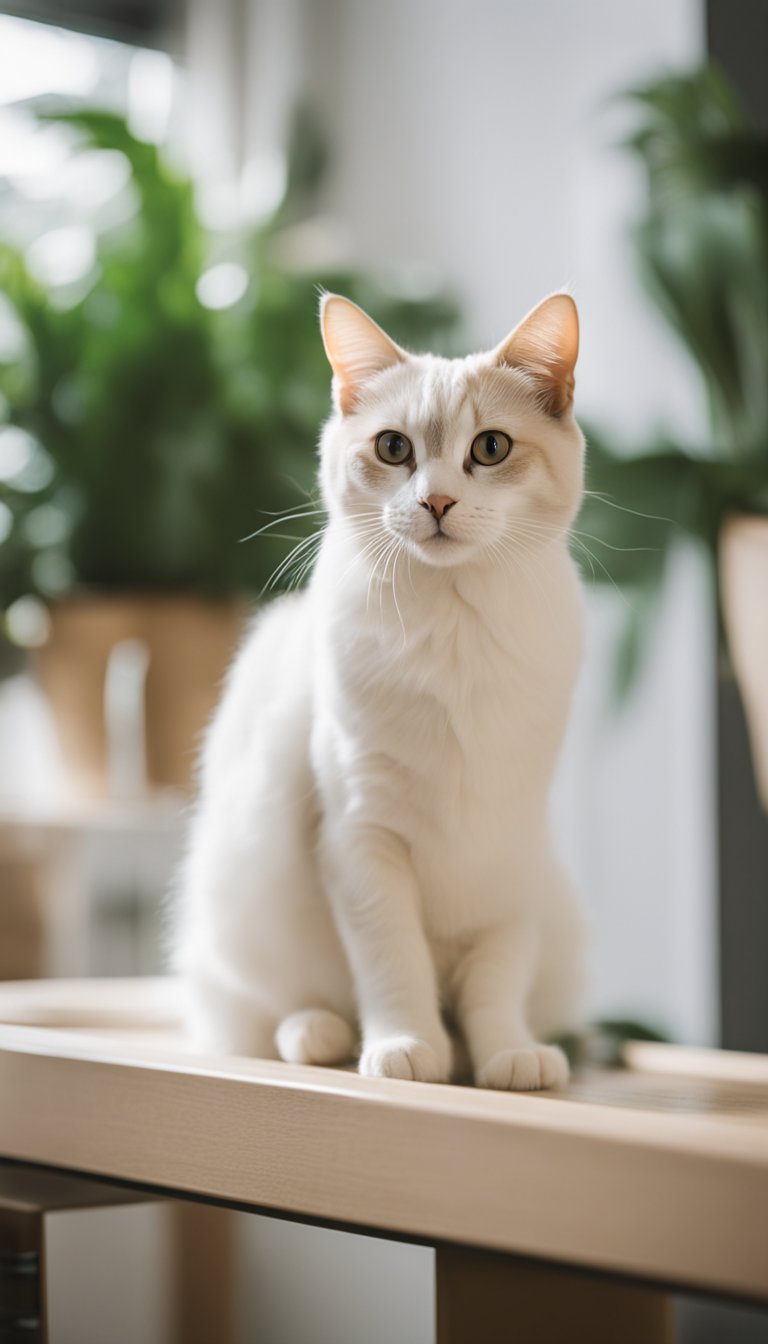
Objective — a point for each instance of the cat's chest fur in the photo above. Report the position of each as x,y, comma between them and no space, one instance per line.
438,717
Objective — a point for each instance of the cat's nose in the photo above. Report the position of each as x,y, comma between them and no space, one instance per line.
437,504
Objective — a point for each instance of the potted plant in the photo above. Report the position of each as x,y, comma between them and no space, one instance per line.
703,247
150,428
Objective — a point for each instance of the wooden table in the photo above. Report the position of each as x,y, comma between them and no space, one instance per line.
583,1208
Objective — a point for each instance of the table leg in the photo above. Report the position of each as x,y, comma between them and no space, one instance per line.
22,1277
204,1248
483,1298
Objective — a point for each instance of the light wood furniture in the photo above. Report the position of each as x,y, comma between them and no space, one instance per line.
581,1208
27,1194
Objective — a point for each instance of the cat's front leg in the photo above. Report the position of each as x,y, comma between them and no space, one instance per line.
375,898
491,987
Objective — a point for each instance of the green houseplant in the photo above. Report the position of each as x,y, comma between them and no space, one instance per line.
703,248
156,433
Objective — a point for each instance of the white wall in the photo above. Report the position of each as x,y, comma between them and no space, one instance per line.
107,1274
309,1285
477,138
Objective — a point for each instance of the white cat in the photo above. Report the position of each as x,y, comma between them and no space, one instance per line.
371,855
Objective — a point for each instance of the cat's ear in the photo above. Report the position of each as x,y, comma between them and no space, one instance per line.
356,347
545,345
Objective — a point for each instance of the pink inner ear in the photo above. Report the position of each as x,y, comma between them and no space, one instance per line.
348,398
546,345
356,347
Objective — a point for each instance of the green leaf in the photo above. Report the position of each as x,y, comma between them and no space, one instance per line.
174,432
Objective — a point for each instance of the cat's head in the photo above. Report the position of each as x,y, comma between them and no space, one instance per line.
454,457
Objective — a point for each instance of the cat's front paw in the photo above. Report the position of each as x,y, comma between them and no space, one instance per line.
525,1069
406,1057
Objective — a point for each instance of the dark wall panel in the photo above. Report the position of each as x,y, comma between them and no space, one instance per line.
143,22
737,38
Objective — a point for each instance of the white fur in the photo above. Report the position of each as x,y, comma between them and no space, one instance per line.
371,852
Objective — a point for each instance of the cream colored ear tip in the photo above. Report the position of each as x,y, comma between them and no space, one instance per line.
566,304
332,307
562,311
336,315
327,301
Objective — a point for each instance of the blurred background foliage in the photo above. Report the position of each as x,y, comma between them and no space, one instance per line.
702,244
147,431
153,431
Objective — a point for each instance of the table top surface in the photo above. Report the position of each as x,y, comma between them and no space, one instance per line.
657,1171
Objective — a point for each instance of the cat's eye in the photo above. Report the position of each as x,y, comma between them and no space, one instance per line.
491,447
393,448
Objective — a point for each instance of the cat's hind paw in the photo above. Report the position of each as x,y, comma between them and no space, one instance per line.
315,1036
405,1057
525,1069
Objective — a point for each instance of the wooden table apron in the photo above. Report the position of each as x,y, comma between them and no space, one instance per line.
666,1197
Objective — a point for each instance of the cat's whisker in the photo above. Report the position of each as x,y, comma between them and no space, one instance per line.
358,558
302,565
536,549
280,570
544,533
538,529
282,536
629,605
534,524
365,556
508,563
532,541
311,495
287,577
311,506
374,576
304,569
370,529
371,524
293,555
606,499
392,555
380,552
398,553
624,550
410,575
537,526
385,566
522,555
585,554
586,551
275,522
